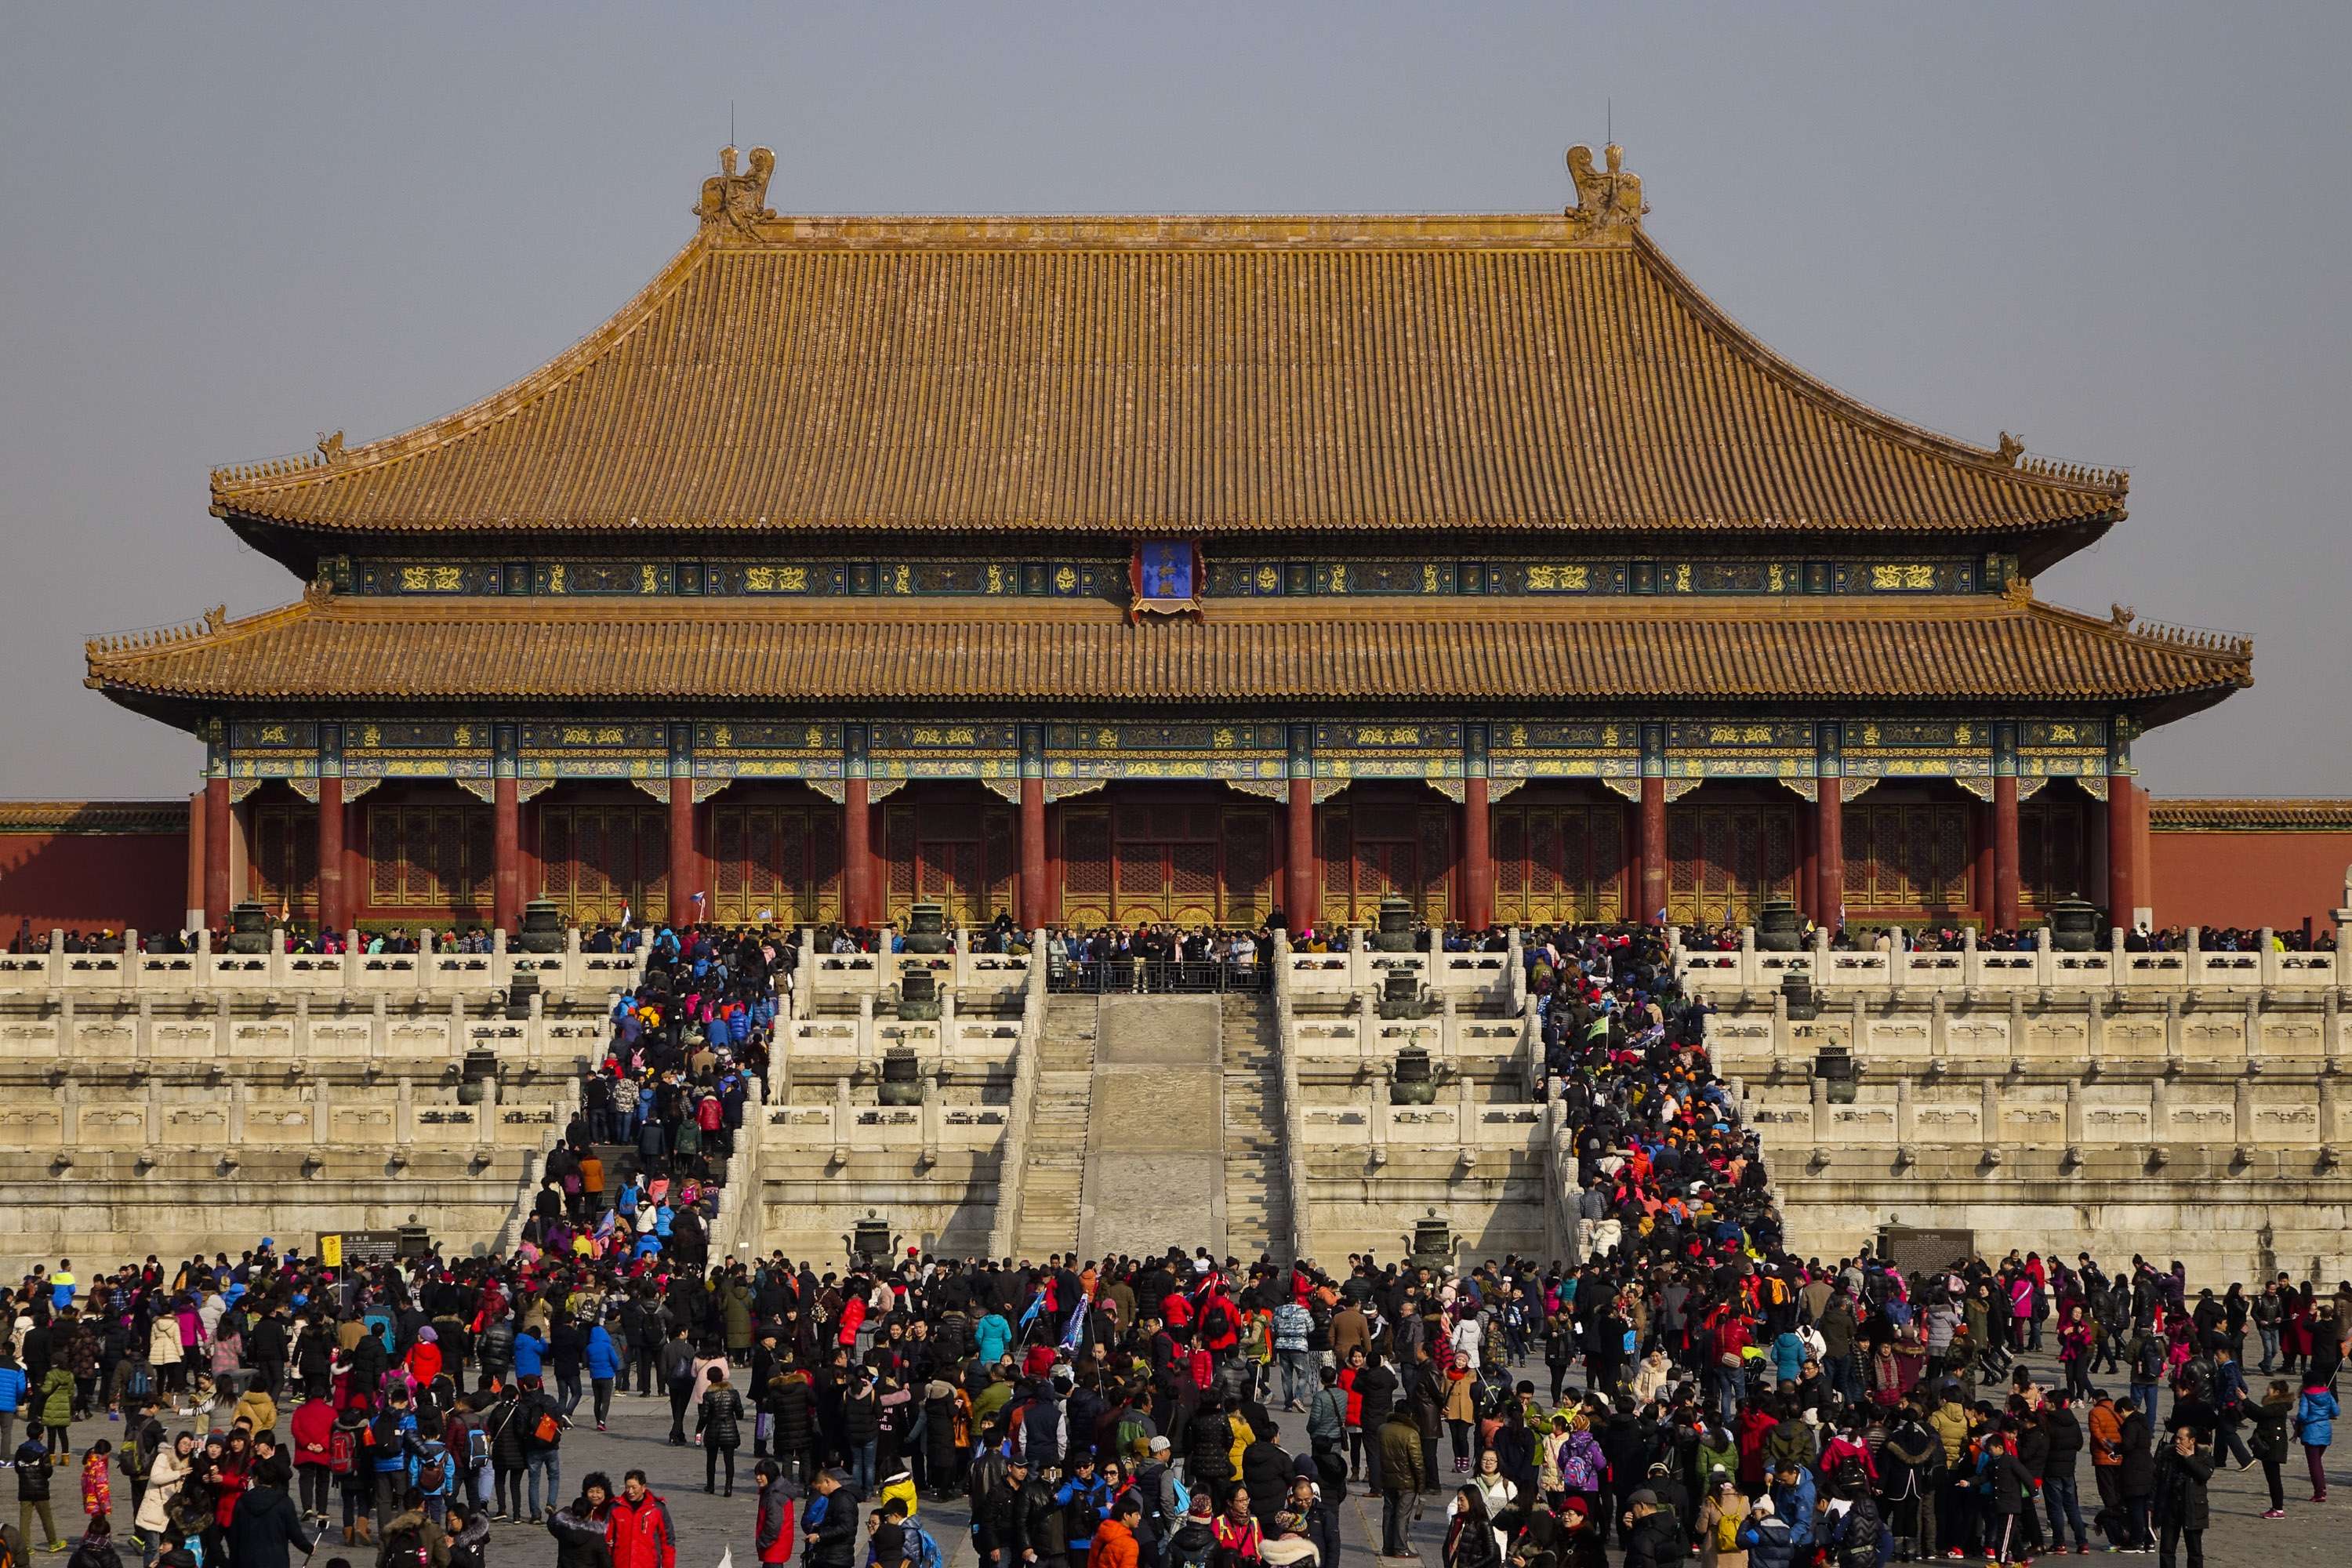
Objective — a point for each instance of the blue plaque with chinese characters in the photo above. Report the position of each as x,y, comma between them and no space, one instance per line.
1165,575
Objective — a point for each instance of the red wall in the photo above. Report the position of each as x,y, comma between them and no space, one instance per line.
84,882
2223,878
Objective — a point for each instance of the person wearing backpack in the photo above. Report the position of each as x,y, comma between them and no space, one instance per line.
542,1427
920,1549
388,1454
347,1462
432,1473
412,1539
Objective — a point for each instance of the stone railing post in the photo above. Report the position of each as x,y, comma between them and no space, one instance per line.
2267,960
1971,960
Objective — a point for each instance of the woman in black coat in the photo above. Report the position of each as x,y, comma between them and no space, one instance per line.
2137,1474
720,1423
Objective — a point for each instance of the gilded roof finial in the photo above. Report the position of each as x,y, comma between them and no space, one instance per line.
2009,451
738,201
2122,615
2018,590
331,447
215,617
1606,198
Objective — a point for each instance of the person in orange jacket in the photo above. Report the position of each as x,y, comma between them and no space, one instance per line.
1115,1545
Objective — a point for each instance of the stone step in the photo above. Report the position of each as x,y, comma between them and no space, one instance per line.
1257,1198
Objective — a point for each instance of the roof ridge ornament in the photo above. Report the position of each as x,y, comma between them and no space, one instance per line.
737,200
2010,448
2018,590
1606,198
331,448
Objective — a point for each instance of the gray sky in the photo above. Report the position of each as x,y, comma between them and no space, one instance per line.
2119,230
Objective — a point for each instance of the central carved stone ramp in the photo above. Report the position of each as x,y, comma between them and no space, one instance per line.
1156,1129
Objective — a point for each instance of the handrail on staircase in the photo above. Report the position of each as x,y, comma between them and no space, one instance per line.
1294,1115
1013,1160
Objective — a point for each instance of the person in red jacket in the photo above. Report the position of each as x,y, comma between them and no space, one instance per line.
774,1536
314,1444
638,1529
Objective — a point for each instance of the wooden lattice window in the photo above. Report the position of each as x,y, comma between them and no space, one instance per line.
282,872
430,857
596,859
1906,858
1724,860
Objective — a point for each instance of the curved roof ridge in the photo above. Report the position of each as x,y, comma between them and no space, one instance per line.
239,481
2003,461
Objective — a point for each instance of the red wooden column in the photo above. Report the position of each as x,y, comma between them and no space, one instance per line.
1034,898
2122,888
216,850
506,853
1829,855
1299,899
856,856
684,880
333,913
193,911
2004,852
1807,869
1477,858
1654,848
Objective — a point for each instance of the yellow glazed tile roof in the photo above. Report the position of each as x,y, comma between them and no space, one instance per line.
1211,375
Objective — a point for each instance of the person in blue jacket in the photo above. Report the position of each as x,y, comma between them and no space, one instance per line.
1792,1497
13,1383
1765,1537
604,1361
2315,1428
529,1353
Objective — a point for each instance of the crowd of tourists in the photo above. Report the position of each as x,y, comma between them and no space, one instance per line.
1685,1391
